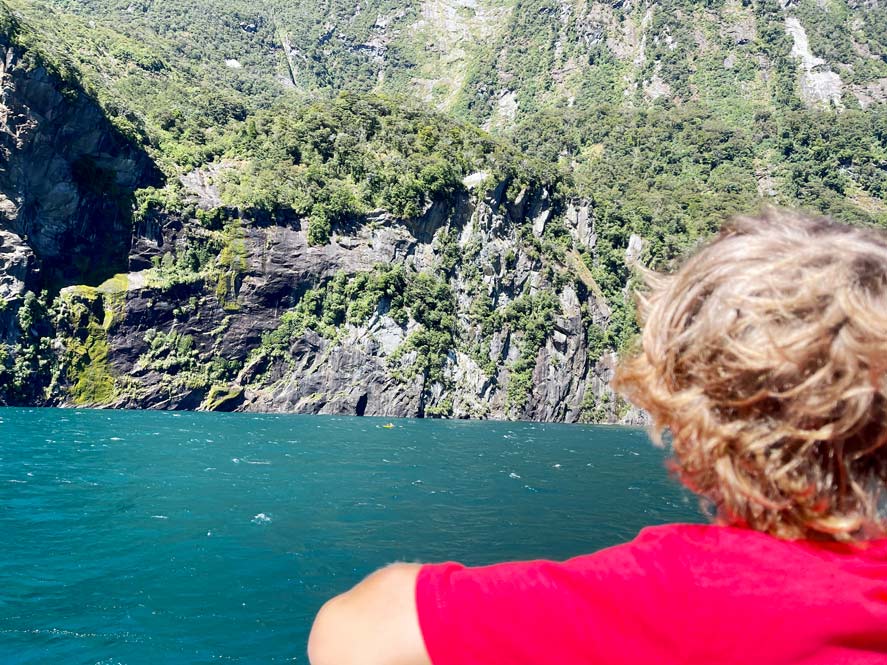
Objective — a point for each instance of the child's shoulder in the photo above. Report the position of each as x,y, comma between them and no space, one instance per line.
744,547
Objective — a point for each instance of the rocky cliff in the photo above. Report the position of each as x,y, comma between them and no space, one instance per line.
468,305
66,181
455,313
314,249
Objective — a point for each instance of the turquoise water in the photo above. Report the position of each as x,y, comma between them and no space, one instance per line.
158,537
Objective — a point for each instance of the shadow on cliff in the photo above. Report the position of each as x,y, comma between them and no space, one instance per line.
68,175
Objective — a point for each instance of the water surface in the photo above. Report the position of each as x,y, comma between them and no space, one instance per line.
162,537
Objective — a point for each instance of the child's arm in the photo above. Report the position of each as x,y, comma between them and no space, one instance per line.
375,623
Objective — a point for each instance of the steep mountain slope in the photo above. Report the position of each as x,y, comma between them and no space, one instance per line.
498,60
252,278
455,299
295,246
592,87
66,182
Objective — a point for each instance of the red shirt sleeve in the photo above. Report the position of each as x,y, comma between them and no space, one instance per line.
585,610
693,595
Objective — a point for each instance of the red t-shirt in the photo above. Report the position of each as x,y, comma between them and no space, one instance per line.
676,594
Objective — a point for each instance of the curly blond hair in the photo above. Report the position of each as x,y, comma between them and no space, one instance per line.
764,356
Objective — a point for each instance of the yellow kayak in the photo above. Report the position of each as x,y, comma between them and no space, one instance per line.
388,426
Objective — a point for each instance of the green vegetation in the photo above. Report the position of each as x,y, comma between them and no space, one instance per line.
231,264
422,298
344,299
94,382
594,408
147,79
84,316
532,316
831,40
26,366
334,161
431,303
443,409
595,336
663,118
152,203
179,359
669,170
219,396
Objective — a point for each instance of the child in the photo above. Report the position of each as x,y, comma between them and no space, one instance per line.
765,358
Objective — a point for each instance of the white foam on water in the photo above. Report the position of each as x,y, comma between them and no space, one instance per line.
556,466
236,460
513,475
159,517
20,482
255,461
61,632
261,518
115,438
210,468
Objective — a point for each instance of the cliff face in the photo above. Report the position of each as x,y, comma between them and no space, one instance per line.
67,176
15,260
314,249
227,339
499,62
466,305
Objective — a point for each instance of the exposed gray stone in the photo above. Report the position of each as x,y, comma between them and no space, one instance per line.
819,85
15,260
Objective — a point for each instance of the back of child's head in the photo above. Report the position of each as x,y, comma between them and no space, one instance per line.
765,355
